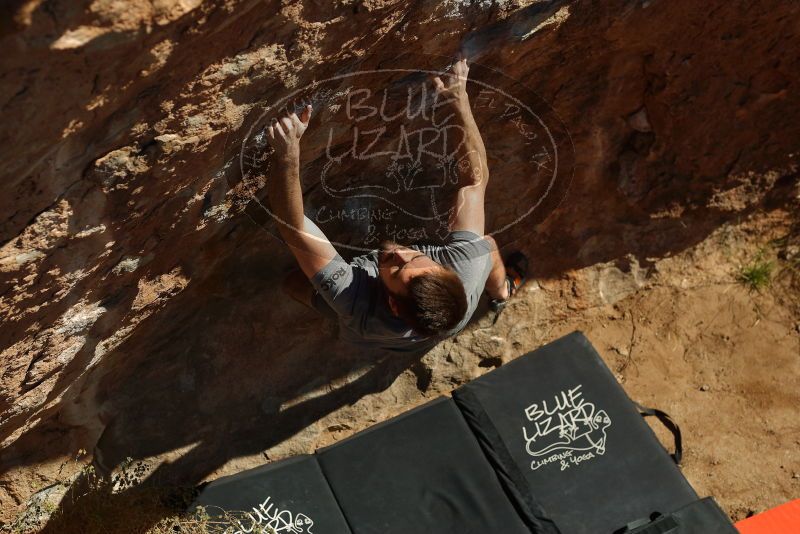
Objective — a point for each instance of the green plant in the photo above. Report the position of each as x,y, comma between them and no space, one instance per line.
757,275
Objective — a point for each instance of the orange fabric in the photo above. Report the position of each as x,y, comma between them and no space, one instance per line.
785,519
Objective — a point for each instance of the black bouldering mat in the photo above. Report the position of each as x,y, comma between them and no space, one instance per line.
289,496
421,472
547,444
566,437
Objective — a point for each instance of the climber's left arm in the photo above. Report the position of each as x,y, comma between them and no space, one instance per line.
306,241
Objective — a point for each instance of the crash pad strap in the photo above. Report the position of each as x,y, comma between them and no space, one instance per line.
703,516
511,478
667,421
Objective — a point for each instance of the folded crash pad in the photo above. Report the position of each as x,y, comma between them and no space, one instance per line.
568,439
290,496
421,472
547,444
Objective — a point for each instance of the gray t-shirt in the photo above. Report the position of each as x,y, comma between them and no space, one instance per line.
355,293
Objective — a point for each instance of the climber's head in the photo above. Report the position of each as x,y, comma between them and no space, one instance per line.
422,292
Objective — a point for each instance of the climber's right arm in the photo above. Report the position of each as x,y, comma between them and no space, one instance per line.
473,171
306,241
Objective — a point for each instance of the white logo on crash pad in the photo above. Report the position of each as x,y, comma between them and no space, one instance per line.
567,430
268,518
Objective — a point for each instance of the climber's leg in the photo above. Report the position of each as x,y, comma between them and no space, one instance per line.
496,285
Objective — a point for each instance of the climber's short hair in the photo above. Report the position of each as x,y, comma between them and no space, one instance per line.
435,303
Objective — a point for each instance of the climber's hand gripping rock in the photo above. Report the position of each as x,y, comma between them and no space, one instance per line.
456,85
284,134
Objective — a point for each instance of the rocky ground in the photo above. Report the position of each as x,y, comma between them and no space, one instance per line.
139,291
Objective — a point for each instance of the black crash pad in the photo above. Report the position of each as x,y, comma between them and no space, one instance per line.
547,444
569,438
423,473
290,496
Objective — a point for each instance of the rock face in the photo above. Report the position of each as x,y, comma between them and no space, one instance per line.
141,307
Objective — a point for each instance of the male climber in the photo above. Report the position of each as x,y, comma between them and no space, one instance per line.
398,298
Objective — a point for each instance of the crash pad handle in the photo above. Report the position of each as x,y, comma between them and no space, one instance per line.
657,524
671,425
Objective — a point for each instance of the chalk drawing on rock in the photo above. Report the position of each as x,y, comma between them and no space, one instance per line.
384,140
